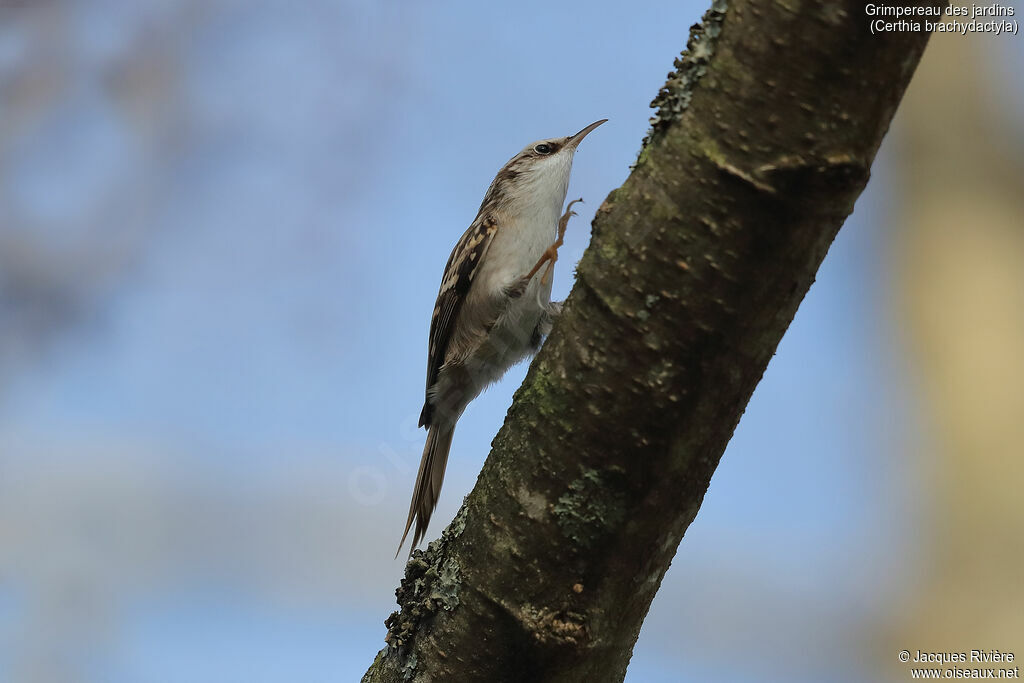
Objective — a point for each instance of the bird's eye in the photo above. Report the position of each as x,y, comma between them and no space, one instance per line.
542,148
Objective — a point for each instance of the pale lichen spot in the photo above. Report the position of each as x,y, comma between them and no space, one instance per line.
535,505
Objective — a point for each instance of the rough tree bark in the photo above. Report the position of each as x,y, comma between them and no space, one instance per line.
762,141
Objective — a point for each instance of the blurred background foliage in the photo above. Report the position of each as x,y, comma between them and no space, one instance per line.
222,225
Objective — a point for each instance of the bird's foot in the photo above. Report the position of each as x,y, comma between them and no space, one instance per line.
550,254
563,222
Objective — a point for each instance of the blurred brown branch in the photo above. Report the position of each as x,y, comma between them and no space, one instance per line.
959,279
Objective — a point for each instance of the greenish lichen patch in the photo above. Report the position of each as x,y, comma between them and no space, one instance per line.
674,97
458,524
409,668
375,667
591,508
609,250
537,393
643,157
432,582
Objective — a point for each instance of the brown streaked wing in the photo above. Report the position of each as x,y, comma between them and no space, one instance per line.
459,272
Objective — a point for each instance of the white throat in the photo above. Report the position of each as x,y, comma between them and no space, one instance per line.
541,190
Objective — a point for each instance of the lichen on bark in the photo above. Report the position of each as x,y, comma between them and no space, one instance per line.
689,67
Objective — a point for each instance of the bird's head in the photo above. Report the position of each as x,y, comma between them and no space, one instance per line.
546,153
541,168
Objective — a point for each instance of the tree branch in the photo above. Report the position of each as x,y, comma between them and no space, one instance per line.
762,142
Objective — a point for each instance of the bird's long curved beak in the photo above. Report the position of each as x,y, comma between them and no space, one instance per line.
578,138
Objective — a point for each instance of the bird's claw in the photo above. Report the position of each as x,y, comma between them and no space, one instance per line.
550,254
563,222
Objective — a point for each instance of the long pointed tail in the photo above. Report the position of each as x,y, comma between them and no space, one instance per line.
428,481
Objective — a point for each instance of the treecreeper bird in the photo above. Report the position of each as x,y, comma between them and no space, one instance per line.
494,306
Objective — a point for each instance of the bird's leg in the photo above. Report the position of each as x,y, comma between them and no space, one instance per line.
550,254
548,317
